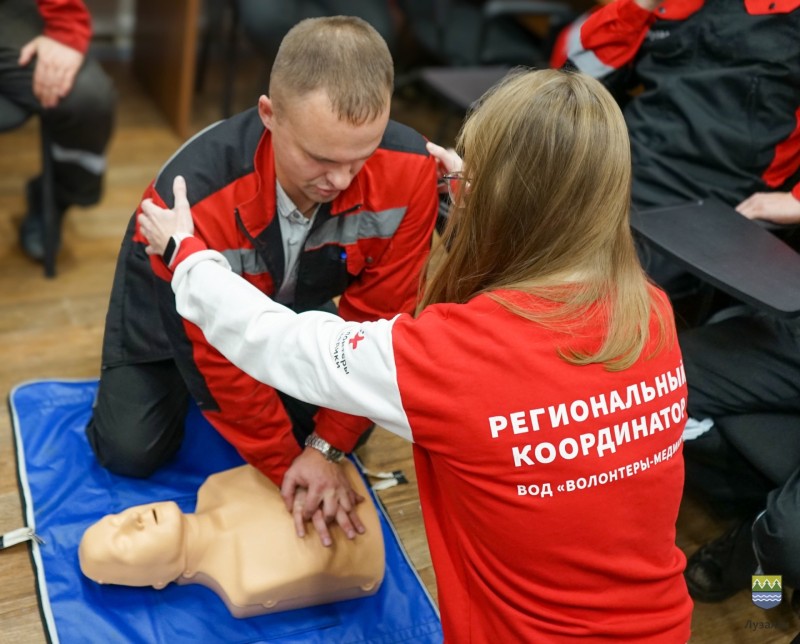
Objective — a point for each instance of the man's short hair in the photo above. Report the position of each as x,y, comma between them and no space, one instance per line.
342,55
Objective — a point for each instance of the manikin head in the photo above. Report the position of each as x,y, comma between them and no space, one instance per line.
328,106
141,546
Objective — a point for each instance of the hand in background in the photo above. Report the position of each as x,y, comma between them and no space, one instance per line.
777,207
317,489
56,67
159,224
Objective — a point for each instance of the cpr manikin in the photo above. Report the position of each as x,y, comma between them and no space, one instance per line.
241,543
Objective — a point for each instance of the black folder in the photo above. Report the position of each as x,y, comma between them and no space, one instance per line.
738,256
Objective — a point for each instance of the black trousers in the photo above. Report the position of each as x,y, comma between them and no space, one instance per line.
744,372
138,418
81,124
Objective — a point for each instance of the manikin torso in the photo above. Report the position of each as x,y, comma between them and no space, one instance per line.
241,543
256,562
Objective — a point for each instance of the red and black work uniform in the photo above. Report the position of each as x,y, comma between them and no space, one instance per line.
368,246
719,109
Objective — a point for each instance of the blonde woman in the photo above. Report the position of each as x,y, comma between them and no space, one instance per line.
540,382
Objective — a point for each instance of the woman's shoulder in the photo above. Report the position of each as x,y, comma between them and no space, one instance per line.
480,305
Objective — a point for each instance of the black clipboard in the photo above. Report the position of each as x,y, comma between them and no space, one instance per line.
736,255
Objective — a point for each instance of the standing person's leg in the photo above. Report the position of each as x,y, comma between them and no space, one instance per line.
16,85
734,370
138,417
81,126
734,487
776,533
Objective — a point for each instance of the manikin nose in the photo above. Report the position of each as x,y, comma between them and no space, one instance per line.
138,520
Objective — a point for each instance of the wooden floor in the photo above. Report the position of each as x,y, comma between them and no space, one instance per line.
53,329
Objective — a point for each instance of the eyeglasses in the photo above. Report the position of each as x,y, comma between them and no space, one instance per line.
455,182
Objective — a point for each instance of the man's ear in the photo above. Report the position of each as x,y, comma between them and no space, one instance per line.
266,111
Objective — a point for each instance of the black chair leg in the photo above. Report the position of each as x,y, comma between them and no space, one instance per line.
50,215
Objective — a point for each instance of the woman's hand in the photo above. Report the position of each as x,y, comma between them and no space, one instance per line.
447,161
158,224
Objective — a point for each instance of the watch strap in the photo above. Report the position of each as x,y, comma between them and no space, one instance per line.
324,447
169,251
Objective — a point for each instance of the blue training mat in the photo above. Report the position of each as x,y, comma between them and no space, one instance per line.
64,491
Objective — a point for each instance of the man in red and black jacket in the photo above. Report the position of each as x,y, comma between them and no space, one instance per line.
717,113
44,69
314,194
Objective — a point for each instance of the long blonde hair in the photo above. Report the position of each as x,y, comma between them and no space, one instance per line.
546,212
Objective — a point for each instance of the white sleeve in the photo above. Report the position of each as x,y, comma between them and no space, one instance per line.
314,356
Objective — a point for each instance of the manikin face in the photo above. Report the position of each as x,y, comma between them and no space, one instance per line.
141,546
317,154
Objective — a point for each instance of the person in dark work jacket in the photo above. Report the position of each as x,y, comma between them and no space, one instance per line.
313,194
718,111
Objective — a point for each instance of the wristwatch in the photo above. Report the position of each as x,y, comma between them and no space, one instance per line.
321,445
172,246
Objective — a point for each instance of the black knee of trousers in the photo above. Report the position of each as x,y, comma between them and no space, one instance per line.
82,124
84,119
138,417
131,451
776,535
718,475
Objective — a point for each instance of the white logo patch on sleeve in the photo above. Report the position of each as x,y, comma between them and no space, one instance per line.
352,337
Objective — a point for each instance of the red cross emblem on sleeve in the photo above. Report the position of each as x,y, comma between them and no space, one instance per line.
358,337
